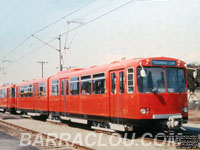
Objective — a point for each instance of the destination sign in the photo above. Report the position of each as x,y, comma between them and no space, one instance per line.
164,62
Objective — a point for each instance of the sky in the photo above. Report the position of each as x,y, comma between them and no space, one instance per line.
143,28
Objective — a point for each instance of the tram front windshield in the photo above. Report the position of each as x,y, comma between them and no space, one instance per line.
154,81
175,80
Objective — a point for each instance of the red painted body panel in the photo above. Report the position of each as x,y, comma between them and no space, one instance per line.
3,103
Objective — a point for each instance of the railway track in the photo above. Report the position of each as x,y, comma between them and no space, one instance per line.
159,140
59,145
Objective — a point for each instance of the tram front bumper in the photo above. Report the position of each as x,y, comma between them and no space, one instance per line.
170,121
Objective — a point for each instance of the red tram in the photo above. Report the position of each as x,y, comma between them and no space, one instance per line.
119,96
7,98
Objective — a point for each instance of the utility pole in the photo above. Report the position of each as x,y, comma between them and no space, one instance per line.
42,63
3,68
60,53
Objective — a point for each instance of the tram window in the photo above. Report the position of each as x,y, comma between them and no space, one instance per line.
67,87
121,82
99,83
55,88
34,90
9,93
30,91
42,89
130,80
62,87
13,92
3,93
74,86
86,85
26,91
18,91
23,91
113,83
38,90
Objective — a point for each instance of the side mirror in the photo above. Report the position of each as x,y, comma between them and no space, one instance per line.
142,73
195,74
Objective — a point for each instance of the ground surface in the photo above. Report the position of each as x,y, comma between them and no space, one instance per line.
45,127
7,142
194,116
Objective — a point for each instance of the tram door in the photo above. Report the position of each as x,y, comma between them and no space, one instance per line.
116,95
36,92
64,96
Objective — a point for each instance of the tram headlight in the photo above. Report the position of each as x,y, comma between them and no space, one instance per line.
185,109
143,111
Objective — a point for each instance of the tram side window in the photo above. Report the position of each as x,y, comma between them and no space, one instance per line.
18,92
74,86
55,89
42,89
130,80
113,83
13,92
99,83
67,87
26,91
86,85
9,93
35,91
3,93
121,82
21,91
62,87
30,91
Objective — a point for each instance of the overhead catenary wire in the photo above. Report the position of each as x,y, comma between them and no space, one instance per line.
34,50
66,38
71,13
12,50
46,43
96,18
72,40
90,21
26,39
